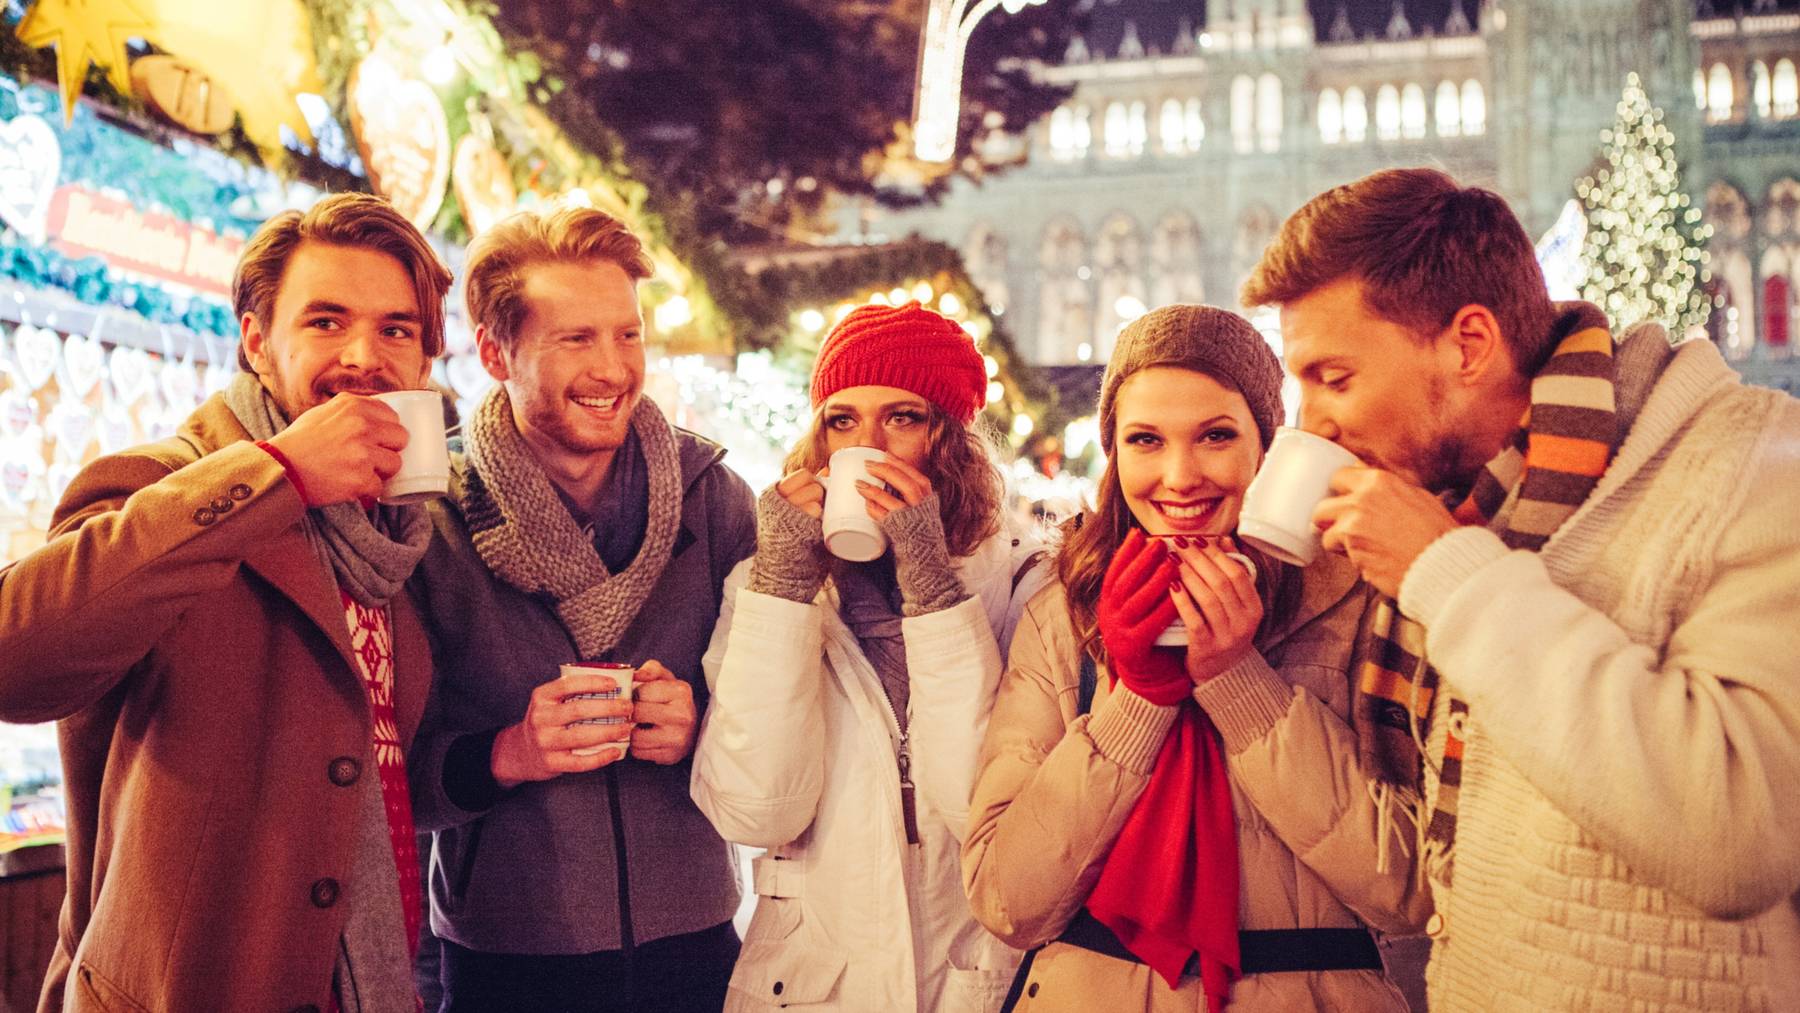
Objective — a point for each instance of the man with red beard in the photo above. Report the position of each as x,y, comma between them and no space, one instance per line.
216,624
572,871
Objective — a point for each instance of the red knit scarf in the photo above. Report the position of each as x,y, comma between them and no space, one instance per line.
1169,888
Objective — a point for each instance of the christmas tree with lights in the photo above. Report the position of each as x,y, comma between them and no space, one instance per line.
1645,251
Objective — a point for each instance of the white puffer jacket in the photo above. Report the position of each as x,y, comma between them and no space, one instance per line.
800,753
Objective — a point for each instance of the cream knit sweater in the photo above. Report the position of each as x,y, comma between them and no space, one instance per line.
1629,818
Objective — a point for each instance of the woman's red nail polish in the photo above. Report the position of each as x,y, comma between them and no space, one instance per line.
1174,585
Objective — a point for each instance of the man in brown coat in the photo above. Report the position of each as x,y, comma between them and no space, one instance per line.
216,623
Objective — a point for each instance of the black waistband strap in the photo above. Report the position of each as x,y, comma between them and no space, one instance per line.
1261,951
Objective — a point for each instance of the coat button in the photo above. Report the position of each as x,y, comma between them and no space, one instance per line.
344,771
325,892
778,988
1434,926
240,492
222,504
204,516
1031,992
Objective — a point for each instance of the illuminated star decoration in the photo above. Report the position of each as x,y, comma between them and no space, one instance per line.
84,32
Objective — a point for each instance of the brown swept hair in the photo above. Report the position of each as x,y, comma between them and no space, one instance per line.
344,219
960,464
1091,539
1424,247
494,277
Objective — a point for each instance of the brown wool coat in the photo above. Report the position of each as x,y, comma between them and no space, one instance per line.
212,724
1055,787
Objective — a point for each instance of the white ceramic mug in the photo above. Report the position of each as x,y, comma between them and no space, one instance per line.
425,460
622,674
1176,634
850,533
1295,478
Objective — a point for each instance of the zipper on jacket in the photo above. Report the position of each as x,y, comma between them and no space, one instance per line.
908,809
627,944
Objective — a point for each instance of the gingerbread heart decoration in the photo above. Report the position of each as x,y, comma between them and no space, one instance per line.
115,428
180,385
71,426
18,412
37,350
30,158
21,474
83,364
132,374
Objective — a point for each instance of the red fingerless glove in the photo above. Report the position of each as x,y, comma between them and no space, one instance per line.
1134,609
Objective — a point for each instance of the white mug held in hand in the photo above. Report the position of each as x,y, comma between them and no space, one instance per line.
1176,634
850,533
624,676
425,460
1277,515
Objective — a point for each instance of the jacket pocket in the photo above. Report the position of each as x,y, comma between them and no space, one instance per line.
975,991
465,863
94,991
787,972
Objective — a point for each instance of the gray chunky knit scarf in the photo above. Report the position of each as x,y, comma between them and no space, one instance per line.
527,537
371,557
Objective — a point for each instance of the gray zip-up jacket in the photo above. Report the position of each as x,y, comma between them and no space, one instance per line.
581,863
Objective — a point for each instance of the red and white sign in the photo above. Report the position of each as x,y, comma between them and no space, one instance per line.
83,223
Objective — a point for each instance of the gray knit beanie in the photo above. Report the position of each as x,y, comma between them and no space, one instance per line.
1205,338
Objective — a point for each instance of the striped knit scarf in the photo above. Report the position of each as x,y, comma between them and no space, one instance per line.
1562,447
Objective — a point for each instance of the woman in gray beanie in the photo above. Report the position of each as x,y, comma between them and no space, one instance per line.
1184,827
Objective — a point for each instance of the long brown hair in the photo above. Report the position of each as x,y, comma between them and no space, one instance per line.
960,464
1092,538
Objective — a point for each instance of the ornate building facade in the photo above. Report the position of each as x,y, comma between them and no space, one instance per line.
1194,128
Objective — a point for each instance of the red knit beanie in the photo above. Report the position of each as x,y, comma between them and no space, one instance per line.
908,347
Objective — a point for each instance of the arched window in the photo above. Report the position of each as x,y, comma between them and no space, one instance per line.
1778,309
1269,113
986,258
1118,130
1065,295
1786,90
1120,292
1387,113
1243,115
1412,112
1139,136
1176,257
1196,124
1356,116
1449,110
1331,117
1759,89
1733,322
1172,128
1474,108
1083,131
1719,97
1062,133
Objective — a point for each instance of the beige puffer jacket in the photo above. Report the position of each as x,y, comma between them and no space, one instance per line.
1055,788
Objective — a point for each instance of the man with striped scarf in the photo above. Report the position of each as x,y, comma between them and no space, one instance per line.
1584,685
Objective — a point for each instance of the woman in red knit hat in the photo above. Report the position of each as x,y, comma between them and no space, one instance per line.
849,699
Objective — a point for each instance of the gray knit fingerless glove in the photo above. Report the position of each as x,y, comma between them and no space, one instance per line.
921,560
790,550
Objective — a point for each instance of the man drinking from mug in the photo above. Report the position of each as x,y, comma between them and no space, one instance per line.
1593,568
216,622
570,874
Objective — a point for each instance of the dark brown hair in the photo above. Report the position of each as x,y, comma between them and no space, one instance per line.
344,219
960,464
494,278
1424,247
